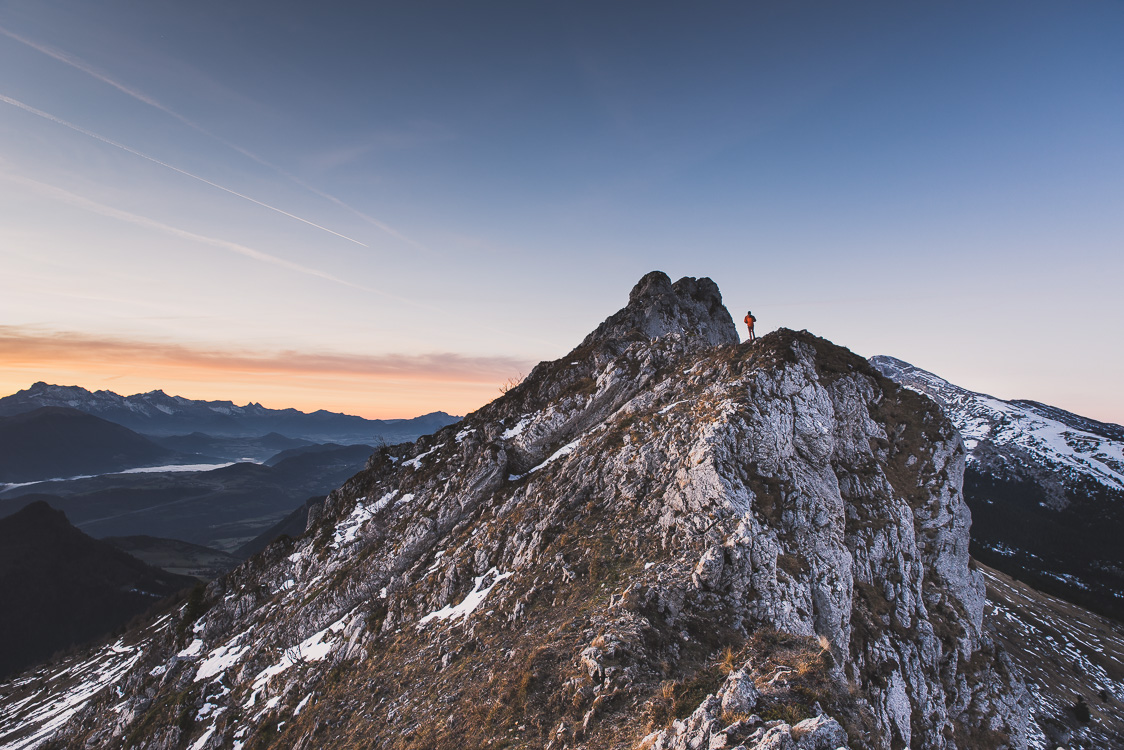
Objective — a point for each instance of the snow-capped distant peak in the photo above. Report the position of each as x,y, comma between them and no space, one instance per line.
1047,434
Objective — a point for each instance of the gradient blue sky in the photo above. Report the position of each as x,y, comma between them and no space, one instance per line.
388,209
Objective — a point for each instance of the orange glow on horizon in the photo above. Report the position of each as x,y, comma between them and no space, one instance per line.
375,387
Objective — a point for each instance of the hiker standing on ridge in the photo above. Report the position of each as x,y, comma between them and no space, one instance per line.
749,321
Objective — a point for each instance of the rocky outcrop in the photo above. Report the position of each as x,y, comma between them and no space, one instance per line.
656,307
663,539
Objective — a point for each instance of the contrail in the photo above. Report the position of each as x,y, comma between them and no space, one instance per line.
141,221
74,62
249,252
103,139
328,196
140,96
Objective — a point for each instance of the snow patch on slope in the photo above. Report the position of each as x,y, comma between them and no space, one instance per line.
64,694
314,648
469,604
517,430
565,450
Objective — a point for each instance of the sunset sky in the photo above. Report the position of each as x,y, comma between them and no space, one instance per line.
390,209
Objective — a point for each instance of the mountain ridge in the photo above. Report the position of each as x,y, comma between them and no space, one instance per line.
157,413
663,540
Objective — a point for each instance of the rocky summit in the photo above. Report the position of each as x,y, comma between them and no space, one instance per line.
665,539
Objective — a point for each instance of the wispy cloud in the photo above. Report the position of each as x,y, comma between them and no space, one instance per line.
142,221
23,345
140,96
88,69
58,120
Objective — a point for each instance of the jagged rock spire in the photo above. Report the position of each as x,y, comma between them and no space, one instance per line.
656,307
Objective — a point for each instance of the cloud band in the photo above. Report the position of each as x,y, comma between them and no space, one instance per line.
25,346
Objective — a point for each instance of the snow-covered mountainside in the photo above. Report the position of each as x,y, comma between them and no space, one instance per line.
157,413
1046,489
663,540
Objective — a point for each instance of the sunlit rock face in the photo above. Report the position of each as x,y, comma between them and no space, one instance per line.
664,539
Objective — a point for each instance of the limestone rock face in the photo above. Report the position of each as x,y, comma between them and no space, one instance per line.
656,307
664,539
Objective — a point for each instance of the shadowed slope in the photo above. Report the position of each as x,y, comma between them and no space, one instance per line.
61,588
56,442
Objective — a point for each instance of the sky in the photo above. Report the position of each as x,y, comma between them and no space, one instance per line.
388,209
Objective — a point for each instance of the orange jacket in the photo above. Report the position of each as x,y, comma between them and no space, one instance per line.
750,320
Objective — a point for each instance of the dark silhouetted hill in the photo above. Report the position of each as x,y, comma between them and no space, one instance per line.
230,448
53,442
61,588
292,525
321,455
175,556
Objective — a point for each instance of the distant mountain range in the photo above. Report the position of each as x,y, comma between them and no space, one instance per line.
156,413
1045,486
231,448
84,453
